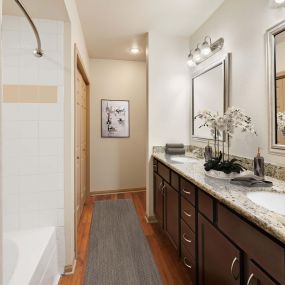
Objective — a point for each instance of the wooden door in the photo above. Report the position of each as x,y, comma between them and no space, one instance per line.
172,214
219,259
80,144
158,199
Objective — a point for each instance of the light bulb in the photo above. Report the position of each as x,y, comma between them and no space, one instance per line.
206,49
197,55
279,1
190,61
135,50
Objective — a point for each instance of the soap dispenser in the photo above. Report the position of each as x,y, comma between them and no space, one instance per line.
259,169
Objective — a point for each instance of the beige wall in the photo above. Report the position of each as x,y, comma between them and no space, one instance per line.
118,163
243,25
168,97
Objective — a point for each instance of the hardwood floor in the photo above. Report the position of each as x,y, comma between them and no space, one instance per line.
170,267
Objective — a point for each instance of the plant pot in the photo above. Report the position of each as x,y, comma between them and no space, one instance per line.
223,176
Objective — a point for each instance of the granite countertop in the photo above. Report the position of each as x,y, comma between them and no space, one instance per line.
232,195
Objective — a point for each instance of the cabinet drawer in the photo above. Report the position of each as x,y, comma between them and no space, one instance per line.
263,250
188,239
188,191
206,205
256,276
175,180
164,172
189,263
188,214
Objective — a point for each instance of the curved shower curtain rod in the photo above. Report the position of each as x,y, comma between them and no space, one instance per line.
38,52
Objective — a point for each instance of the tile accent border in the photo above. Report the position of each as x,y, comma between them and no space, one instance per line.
271,170
29,94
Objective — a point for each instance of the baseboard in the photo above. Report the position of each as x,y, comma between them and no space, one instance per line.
150,219
56,280
106,192
70,269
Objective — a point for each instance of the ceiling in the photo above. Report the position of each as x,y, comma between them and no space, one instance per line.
112,27
45,9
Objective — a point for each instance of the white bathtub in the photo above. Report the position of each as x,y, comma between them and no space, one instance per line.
30,257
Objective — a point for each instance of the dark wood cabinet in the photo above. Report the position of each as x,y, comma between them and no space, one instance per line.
219,259
256,276
159,199
171,203
216,244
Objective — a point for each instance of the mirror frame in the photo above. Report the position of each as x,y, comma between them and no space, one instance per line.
225,61
271,85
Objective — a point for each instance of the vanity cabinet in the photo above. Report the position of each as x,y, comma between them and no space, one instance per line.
171,203
219,259
166,201
216,244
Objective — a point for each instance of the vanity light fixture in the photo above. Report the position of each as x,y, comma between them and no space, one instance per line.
197,54
190,60
206,50
277,3
206,46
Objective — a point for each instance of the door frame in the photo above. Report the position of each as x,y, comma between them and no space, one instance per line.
78,65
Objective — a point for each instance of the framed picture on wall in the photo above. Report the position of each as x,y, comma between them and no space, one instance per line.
115,119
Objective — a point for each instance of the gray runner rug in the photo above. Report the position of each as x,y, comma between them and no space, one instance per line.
119,253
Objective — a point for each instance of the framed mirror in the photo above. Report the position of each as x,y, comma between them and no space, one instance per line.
210,91
276,86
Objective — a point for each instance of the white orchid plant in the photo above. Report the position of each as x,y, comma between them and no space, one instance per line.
281,122
220,125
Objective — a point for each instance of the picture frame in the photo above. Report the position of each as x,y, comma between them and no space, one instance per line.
115,118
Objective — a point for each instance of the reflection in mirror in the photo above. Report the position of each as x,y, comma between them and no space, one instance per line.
209,95
209,92
280,87
275,46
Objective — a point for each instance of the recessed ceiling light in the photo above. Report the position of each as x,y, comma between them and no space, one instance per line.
135,50
279,1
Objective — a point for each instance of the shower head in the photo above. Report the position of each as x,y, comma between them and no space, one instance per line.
38,52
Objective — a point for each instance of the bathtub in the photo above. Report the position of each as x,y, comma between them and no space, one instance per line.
30,257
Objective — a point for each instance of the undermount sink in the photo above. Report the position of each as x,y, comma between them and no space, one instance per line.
183,159
270,200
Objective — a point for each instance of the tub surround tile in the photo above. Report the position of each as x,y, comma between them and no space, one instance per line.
231,195
33,124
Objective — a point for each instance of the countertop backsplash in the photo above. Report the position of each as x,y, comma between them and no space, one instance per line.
271,170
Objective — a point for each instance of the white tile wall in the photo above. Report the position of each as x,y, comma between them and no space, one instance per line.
33,133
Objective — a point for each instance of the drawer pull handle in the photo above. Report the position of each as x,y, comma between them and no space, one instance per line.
186,239
186,264
250,279
187,214
232,268
186,192
160,185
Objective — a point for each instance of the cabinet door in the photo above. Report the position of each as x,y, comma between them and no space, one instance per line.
171,214
158,199
255,276
219,259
